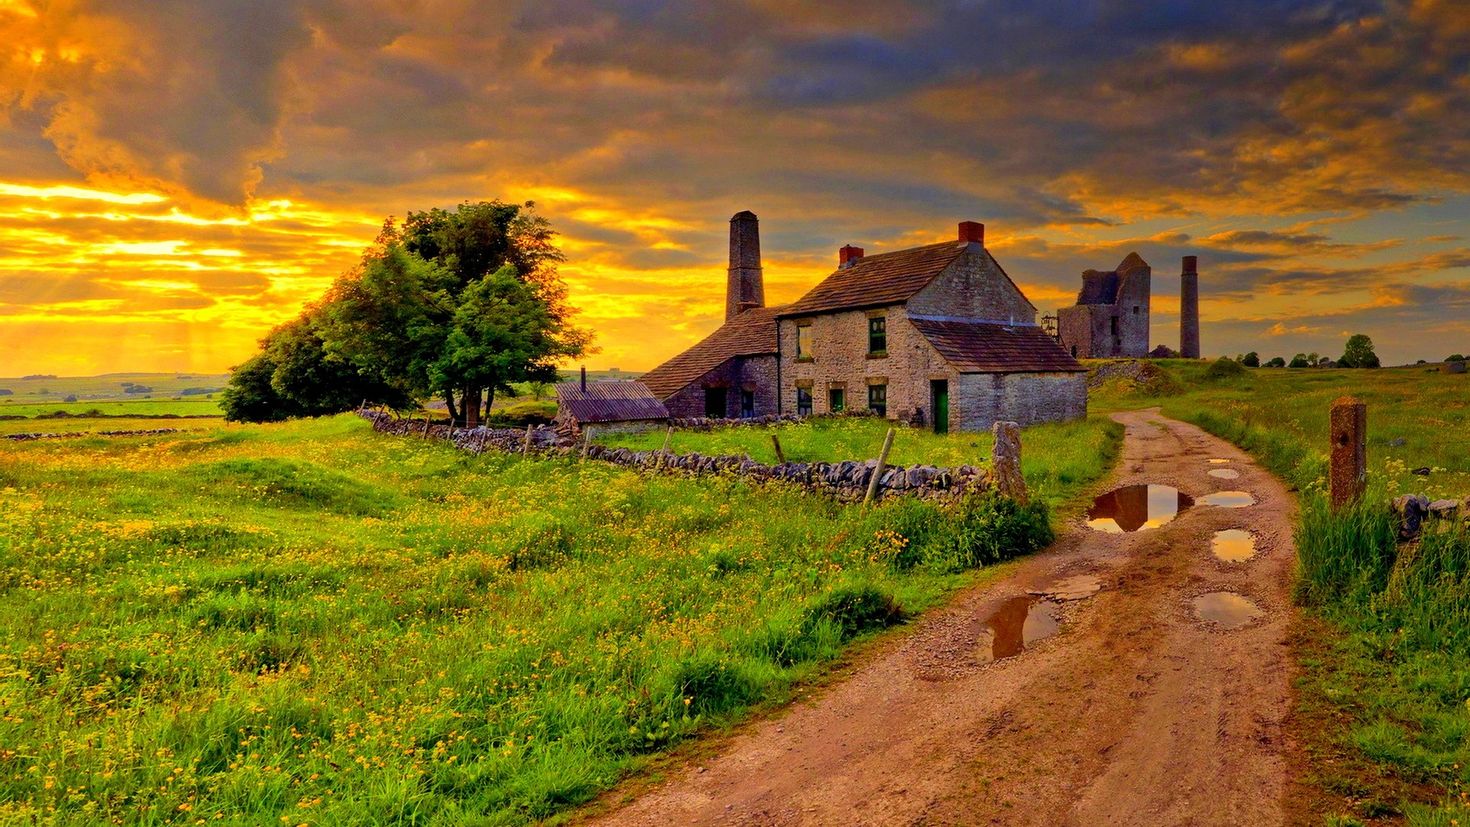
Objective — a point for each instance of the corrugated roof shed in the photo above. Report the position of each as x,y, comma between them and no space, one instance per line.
618,400
752,333
979,347
873,281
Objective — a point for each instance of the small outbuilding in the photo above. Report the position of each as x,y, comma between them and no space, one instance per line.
612,405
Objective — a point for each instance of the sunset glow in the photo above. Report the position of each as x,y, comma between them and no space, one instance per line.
177,179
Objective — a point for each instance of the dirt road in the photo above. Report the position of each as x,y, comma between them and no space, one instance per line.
1135,711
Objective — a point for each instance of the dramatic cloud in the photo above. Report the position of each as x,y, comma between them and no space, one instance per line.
1309,153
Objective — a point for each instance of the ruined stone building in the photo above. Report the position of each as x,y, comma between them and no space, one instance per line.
937,334
1111,317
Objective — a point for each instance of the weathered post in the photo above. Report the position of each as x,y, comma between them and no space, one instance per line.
1006,459
1348,476
780,455
668,439
426,426
526,446
878,471
586,441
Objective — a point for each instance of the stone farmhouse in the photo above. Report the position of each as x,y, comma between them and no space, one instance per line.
936,335
1111,317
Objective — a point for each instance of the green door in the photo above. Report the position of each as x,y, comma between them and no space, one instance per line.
939,393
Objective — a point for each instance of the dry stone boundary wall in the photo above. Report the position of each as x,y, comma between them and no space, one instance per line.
846,481
79,434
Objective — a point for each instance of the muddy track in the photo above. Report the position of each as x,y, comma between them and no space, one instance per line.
1135,711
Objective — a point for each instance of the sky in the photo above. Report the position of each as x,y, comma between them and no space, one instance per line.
178,176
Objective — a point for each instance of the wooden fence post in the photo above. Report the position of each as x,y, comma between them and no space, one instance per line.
586,441
426,427
526,447
1348,475
878,471
780,455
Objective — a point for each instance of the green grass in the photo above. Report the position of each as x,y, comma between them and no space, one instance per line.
1385,686
312,623
1055,458
108,393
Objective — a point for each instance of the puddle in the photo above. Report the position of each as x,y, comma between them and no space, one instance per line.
1218,461
1225,473
1227,610
1233,545
1136,508
1018,623
1072,588
1229,499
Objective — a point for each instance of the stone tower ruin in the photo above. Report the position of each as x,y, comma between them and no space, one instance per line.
1111,317
747,287
1189,309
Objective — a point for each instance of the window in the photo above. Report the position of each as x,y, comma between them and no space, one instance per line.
803,401
878,399
714,403
836,400
877,335
804,341
1135,310
747,404
1115,325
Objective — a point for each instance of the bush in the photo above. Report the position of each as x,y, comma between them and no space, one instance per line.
1251,360
1224,368
1276,362
854,610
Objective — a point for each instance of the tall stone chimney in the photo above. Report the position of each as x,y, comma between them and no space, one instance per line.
1189,309
747,287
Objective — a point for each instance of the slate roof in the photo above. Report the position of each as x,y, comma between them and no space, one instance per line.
752,333
982,347
877,280
618,400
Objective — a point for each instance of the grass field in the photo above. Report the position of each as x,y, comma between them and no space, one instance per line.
165,394
1055,457
1385,687
311,623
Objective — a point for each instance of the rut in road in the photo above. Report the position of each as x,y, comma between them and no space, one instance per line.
1136,711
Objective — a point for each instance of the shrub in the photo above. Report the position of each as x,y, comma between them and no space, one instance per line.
1251,360
854,610
989,528
1276,362
1224,368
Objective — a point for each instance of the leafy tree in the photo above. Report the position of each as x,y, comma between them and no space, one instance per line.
456,304
1455,357
1300,361
1359,353
250,397
1276,362
502,333
1251,360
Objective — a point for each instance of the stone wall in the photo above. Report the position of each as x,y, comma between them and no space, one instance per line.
982,399
846,481
1414,510
77,434
974,287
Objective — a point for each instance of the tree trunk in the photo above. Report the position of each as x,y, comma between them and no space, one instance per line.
489,400
471,404
453,412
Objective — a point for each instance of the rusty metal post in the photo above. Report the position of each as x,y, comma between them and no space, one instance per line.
878,471
1348,474
1005,458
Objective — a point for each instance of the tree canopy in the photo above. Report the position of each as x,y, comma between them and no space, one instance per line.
450,304
1358,353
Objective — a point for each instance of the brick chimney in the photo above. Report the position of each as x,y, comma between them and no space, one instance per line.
972,232
746,287
848,256
584,379
1189,308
